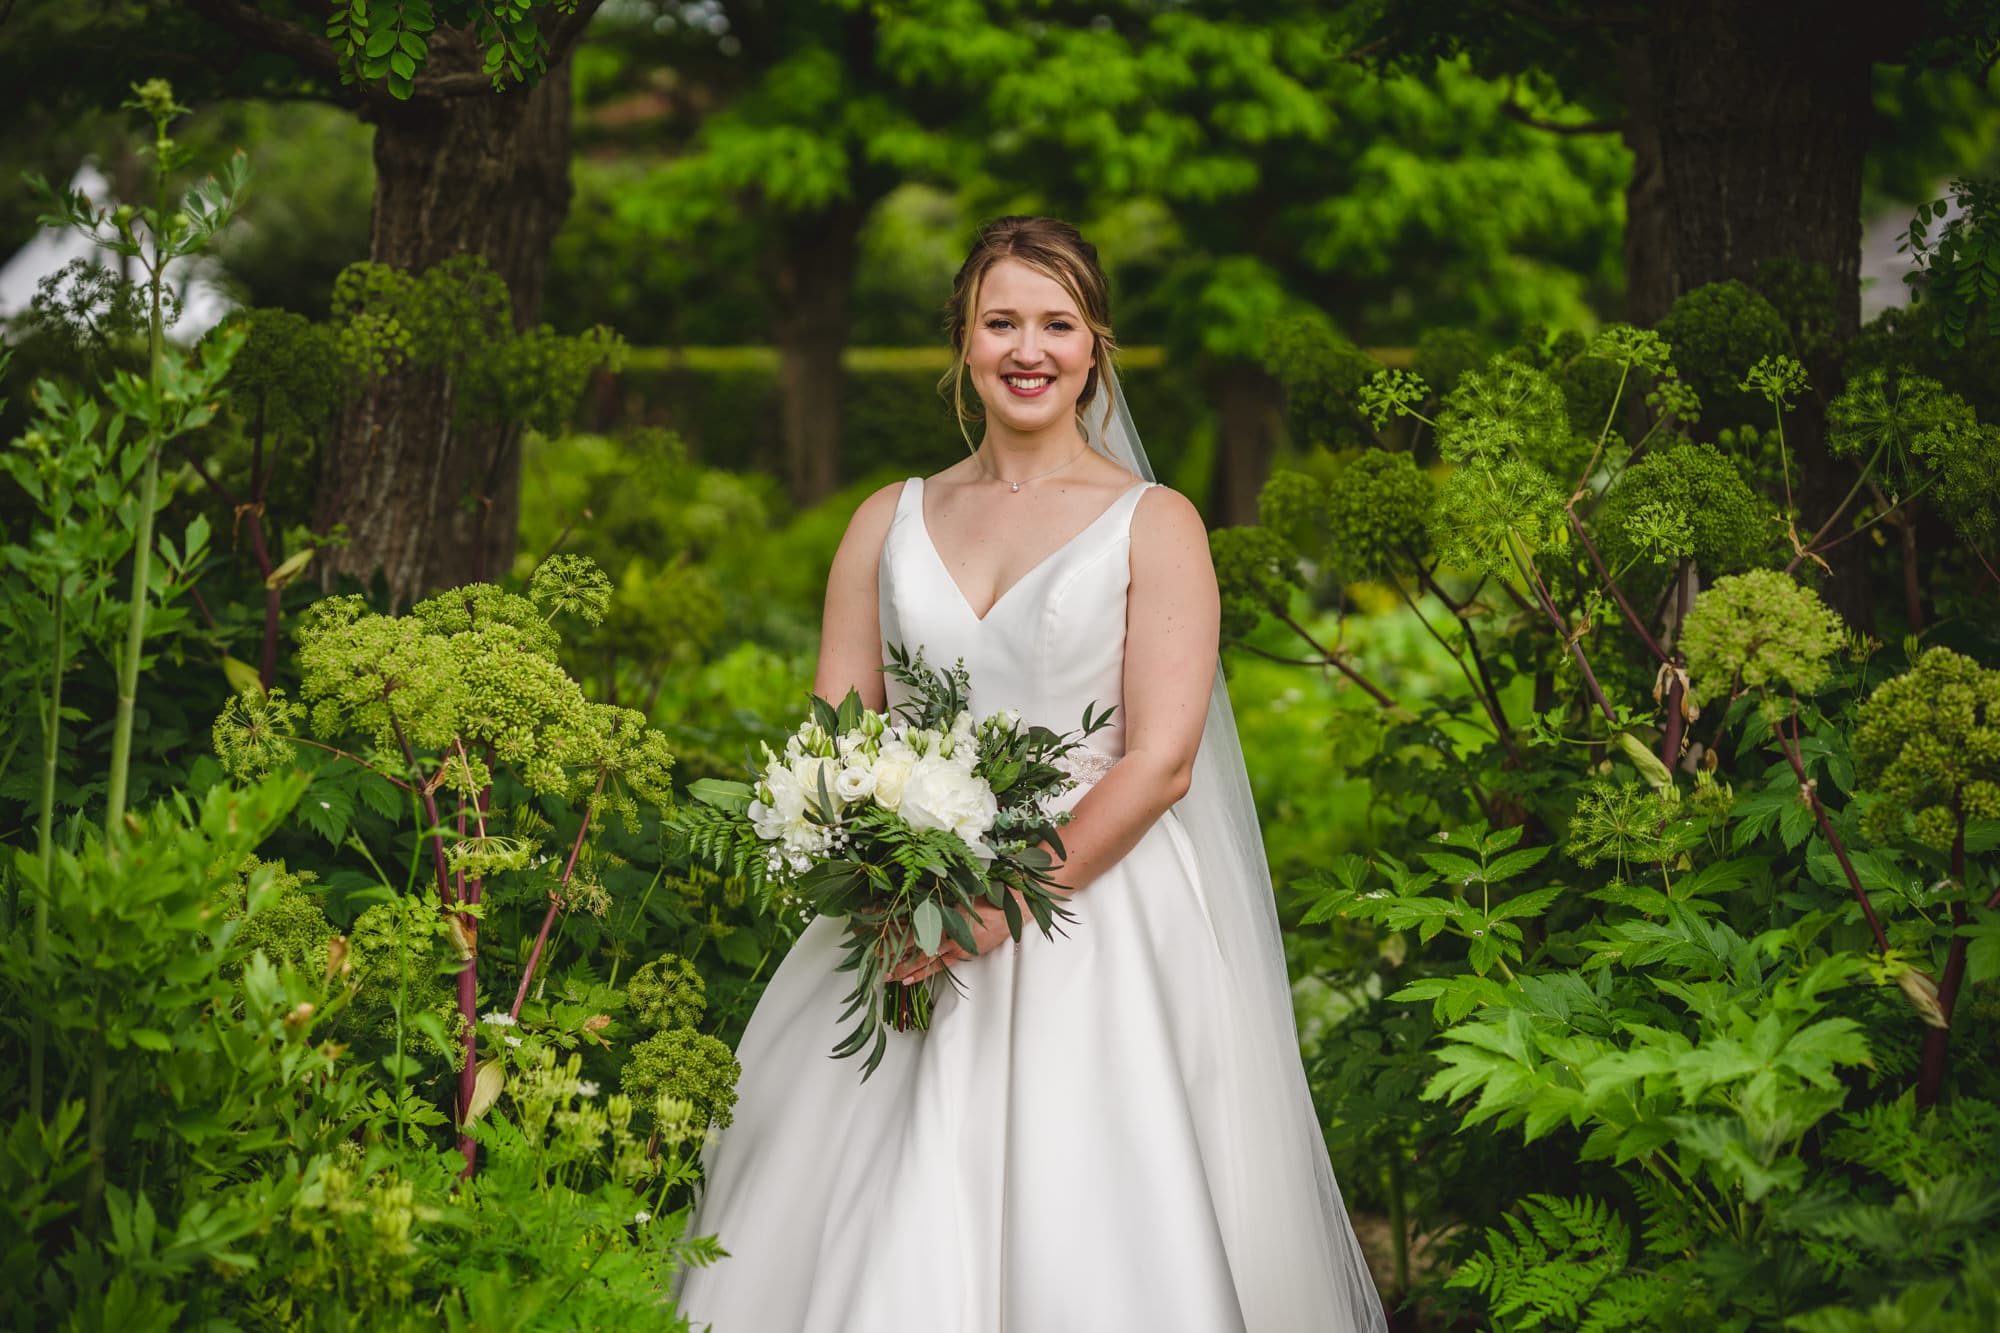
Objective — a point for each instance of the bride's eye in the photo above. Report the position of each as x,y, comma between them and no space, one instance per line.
997,323
1060,325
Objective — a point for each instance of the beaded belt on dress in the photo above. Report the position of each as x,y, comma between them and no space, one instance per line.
1086,766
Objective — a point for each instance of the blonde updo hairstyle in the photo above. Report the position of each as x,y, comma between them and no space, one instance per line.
1057,251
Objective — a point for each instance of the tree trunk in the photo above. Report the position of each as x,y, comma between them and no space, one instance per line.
1247,403
812,278
1748,122
427,499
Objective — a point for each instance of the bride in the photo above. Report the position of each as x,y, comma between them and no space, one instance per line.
1108,1131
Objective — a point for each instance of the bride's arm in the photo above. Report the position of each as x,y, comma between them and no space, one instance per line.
850,644
1173,620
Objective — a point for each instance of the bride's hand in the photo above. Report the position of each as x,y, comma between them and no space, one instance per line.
989,932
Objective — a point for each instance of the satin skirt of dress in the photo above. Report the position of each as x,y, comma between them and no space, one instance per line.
1063,1151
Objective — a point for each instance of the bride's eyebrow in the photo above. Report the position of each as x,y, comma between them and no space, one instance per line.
1047,314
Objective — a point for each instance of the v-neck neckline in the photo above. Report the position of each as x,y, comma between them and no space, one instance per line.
924,527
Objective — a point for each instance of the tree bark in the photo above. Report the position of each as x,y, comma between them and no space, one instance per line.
1247,405
427,498
812,277
1748,122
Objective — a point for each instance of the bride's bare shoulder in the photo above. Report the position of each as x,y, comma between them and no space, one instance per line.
1164,512
871,518
1168,533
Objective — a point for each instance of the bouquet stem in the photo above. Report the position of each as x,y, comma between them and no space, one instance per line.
910,1007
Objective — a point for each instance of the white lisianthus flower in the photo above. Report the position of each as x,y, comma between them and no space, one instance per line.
855,783
945,794
787,802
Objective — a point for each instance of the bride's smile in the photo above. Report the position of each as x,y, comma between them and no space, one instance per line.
1029,355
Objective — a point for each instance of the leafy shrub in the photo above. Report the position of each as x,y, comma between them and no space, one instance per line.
1678,910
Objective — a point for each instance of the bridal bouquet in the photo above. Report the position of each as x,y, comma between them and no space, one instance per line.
900,823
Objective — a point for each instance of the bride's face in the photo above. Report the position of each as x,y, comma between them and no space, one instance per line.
1028,349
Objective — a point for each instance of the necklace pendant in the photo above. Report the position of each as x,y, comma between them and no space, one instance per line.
1017,486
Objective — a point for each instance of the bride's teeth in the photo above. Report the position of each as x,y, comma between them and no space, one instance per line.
1027,381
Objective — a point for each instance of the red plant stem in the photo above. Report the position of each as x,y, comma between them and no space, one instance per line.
430,806
1937,1041
1984,563
355,758
1611,586
1913,589
1812,544
1809,790
1670,742
267,664
1334,660
468,979
1575,646
1479,689
201,605
556,898
468,991
1425,577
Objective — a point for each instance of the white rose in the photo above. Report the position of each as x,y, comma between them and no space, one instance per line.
941,794
808,770
856,783
891,771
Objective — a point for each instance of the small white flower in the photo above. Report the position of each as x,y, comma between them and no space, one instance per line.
642,1218
511,1039
326,805
586,1088
499,1018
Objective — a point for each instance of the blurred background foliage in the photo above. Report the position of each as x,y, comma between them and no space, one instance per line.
766,203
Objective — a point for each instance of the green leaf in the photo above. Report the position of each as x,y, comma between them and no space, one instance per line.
400,62
327,809
960,929
412,44
1459,870
1513,863
928,921
1982,956
379,42
148,1039
732,797
1526,905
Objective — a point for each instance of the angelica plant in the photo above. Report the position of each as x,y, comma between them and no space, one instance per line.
1927,744
441,701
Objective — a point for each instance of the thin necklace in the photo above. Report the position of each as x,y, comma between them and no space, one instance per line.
1039,475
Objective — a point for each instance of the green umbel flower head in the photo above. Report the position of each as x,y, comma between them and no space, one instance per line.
1256,569
1716,332
290,928
667,993
1927,744
1368,518
1488,513
684,1065
1510,410
1697,488
1763,625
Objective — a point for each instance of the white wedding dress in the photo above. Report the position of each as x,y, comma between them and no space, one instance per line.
1079,1143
